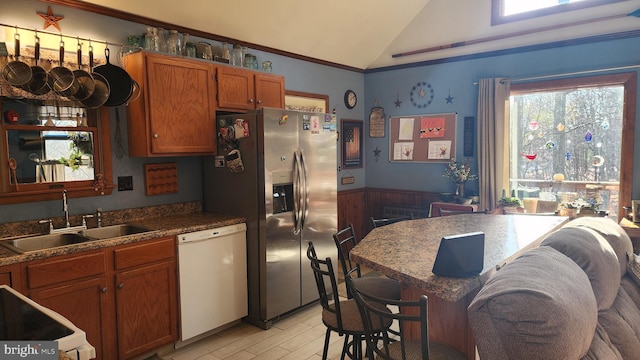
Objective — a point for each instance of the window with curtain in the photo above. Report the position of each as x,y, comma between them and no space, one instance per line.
571,141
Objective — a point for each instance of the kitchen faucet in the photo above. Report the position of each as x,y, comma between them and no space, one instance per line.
68,228
65,207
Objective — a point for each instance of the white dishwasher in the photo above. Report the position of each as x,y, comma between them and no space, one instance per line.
213,278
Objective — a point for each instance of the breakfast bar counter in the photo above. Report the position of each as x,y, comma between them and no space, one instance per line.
406,251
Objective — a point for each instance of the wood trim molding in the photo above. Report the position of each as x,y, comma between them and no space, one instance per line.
122,15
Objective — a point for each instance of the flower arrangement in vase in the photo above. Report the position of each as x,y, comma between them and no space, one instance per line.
459,174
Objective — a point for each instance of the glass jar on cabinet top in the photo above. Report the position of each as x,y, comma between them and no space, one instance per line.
151,39
173,46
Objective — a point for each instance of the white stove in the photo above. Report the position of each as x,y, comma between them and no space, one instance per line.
22,319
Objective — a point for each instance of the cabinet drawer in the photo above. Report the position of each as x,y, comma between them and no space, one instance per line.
148,252
68,268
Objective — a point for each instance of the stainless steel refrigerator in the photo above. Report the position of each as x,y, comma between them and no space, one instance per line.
287,192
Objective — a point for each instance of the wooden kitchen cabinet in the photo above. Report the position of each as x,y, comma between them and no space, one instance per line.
146,296
124,297
10,275
242,89
176,113
76,287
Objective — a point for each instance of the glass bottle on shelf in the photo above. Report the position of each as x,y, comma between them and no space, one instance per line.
151,39
162,43
236,55
245,52
172,42
180,44
225,51
189,47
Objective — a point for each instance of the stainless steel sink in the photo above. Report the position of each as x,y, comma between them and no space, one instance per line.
41,242
107,232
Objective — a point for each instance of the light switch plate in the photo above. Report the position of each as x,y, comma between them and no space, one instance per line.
125,183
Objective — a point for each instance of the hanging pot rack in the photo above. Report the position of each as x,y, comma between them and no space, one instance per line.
49,55
61,35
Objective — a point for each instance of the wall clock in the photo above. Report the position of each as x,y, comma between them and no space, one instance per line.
421,95
350,99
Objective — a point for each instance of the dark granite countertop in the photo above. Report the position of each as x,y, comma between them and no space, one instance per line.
406,251
170,225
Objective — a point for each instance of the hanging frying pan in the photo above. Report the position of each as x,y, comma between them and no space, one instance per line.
102,89
85,82
16,72
119,80
38,83
61,79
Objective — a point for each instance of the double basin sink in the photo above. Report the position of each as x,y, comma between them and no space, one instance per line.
49,241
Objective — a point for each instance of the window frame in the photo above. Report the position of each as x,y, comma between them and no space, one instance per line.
497,18
629,81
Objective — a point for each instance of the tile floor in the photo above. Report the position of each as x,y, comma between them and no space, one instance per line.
296,337
299,336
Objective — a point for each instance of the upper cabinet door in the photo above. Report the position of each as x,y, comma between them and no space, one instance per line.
236,88
242,89
269,91
176,114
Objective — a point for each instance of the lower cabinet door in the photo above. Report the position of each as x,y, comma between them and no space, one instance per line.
146,304
85,304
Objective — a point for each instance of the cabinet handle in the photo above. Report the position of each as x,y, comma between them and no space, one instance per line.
155,136
120,286
259,101
251,101
104,289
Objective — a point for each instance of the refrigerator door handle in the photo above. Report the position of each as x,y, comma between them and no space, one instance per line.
296,193
304,190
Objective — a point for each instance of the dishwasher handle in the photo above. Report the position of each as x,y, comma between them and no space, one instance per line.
211,233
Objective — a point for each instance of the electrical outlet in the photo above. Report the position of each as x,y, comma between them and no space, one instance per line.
125,183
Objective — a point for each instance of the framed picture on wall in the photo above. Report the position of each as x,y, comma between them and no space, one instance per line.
635,210
352,144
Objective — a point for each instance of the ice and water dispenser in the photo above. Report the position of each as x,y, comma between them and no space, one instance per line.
282,191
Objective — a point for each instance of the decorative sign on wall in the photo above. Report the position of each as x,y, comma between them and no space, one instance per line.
352,144
376,120
422,138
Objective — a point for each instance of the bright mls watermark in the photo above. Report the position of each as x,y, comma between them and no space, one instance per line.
31,350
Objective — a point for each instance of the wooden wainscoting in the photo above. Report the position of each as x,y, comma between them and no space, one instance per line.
358,205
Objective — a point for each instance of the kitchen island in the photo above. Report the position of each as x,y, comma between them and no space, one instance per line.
406,251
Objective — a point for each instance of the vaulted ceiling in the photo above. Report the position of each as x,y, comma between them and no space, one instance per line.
364,34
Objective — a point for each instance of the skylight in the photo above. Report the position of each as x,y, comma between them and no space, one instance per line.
520,6
504,11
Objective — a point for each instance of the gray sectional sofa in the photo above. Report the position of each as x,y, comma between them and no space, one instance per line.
576,296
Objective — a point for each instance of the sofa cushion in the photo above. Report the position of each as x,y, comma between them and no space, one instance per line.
601,347
594,255
622,324
613,233
541,303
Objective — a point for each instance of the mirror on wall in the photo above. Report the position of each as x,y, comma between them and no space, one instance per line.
51,155
52,144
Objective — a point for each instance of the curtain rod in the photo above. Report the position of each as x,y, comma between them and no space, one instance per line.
569,74
60,35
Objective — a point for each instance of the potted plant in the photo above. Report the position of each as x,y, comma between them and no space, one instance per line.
509,203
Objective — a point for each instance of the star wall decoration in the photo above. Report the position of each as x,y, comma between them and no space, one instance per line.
421,94
398,102
50,19
449,98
